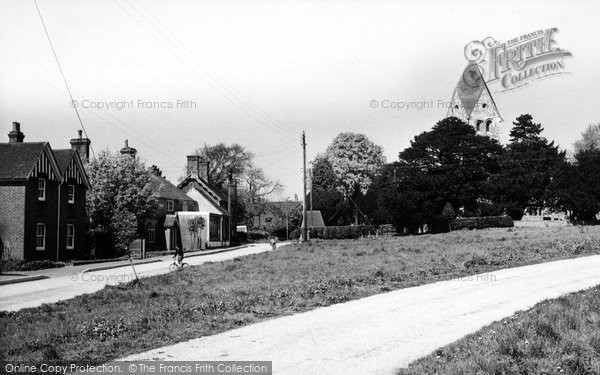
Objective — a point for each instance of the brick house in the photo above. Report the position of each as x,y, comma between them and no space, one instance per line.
42,199
163,232
212,204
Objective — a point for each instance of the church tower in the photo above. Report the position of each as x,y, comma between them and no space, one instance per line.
472,102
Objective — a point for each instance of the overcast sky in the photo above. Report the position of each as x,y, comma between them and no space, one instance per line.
258,73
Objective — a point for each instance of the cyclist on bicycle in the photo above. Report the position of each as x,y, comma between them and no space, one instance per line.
178,256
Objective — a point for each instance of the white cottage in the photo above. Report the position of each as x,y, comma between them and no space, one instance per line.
212,206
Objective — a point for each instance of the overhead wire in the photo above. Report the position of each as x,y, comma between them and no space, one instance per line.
207,69
222,91
62,73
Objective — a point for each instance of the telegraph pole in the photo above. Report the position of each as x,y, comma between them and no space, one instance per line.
229,205
311,194
304,231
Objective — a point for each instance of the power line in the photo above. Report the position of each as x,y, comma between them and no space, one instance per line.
62,74
159,148
222,91
208,70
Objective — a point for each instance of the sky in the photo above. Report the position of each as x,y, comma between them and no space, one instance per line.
171,76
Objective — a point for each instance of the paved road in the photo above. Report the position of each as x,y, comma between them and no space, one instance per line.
378,334
35,293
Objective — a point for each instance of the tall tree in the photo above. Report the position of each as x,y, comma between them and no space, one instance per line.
355,160
576,188
224,158
590,139
454,163
119,202
528,165
326,197
257,187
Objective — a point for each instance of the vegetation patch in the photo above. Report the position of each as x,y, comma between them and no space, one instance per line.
214,297
34,265
558,336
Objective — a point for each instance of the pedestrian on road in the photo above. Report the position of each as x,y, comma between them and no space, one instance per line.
273,243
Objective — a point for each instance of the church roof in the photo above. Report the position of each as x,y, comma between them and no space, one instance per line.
469,88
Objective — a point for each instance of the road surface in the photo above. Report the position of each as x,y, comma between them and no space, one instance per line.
378,334
35,293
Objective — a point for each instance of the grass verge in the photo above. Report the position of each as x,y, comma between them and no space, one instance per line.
559,336
215,297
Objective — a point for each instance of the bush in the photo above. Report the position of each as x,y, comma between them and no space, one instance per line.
257,235
15,265
482,222
295,234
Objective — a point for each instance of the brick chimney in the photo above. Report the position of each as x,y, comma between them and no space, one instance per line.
15,136
126,150
82,146
197,166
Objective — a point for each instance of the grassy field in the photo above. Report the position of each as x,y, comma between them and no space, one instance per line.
215,297
559,336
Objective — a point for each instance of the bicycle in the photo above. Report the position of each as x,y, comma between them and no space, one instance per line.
176,267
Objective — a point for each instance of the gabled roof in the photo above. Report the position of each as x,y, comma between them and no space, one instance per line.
19,159
64,158
469,88
208,191
215,193
165,189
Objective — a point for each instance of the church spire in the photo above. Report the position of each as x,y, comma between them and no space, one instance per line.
472,102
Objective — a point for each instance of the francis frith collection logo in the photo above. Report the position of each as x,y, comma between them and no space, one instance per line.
520,60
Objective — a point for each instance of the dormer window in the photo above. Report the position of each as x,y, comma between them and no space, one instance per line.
71,194
41,189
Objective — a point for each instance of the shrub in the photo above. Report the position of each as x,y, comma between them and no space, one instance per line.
12,265
482,222
257,235
295,234
242,236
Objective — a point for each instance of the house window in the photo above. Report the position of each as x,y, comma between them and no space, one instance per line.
40,236
151,232
71,194
170,206
478,128
41,189
487,125
70,236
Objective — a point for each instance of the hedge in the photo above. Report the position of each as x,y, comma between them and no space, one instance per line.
336,232
482,222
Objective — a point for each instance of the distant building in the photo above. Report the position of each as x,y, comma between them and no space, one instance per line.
42,198
212,203
472,102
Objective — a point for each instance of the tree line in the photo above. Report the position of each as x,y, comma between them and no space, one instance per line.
453,170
